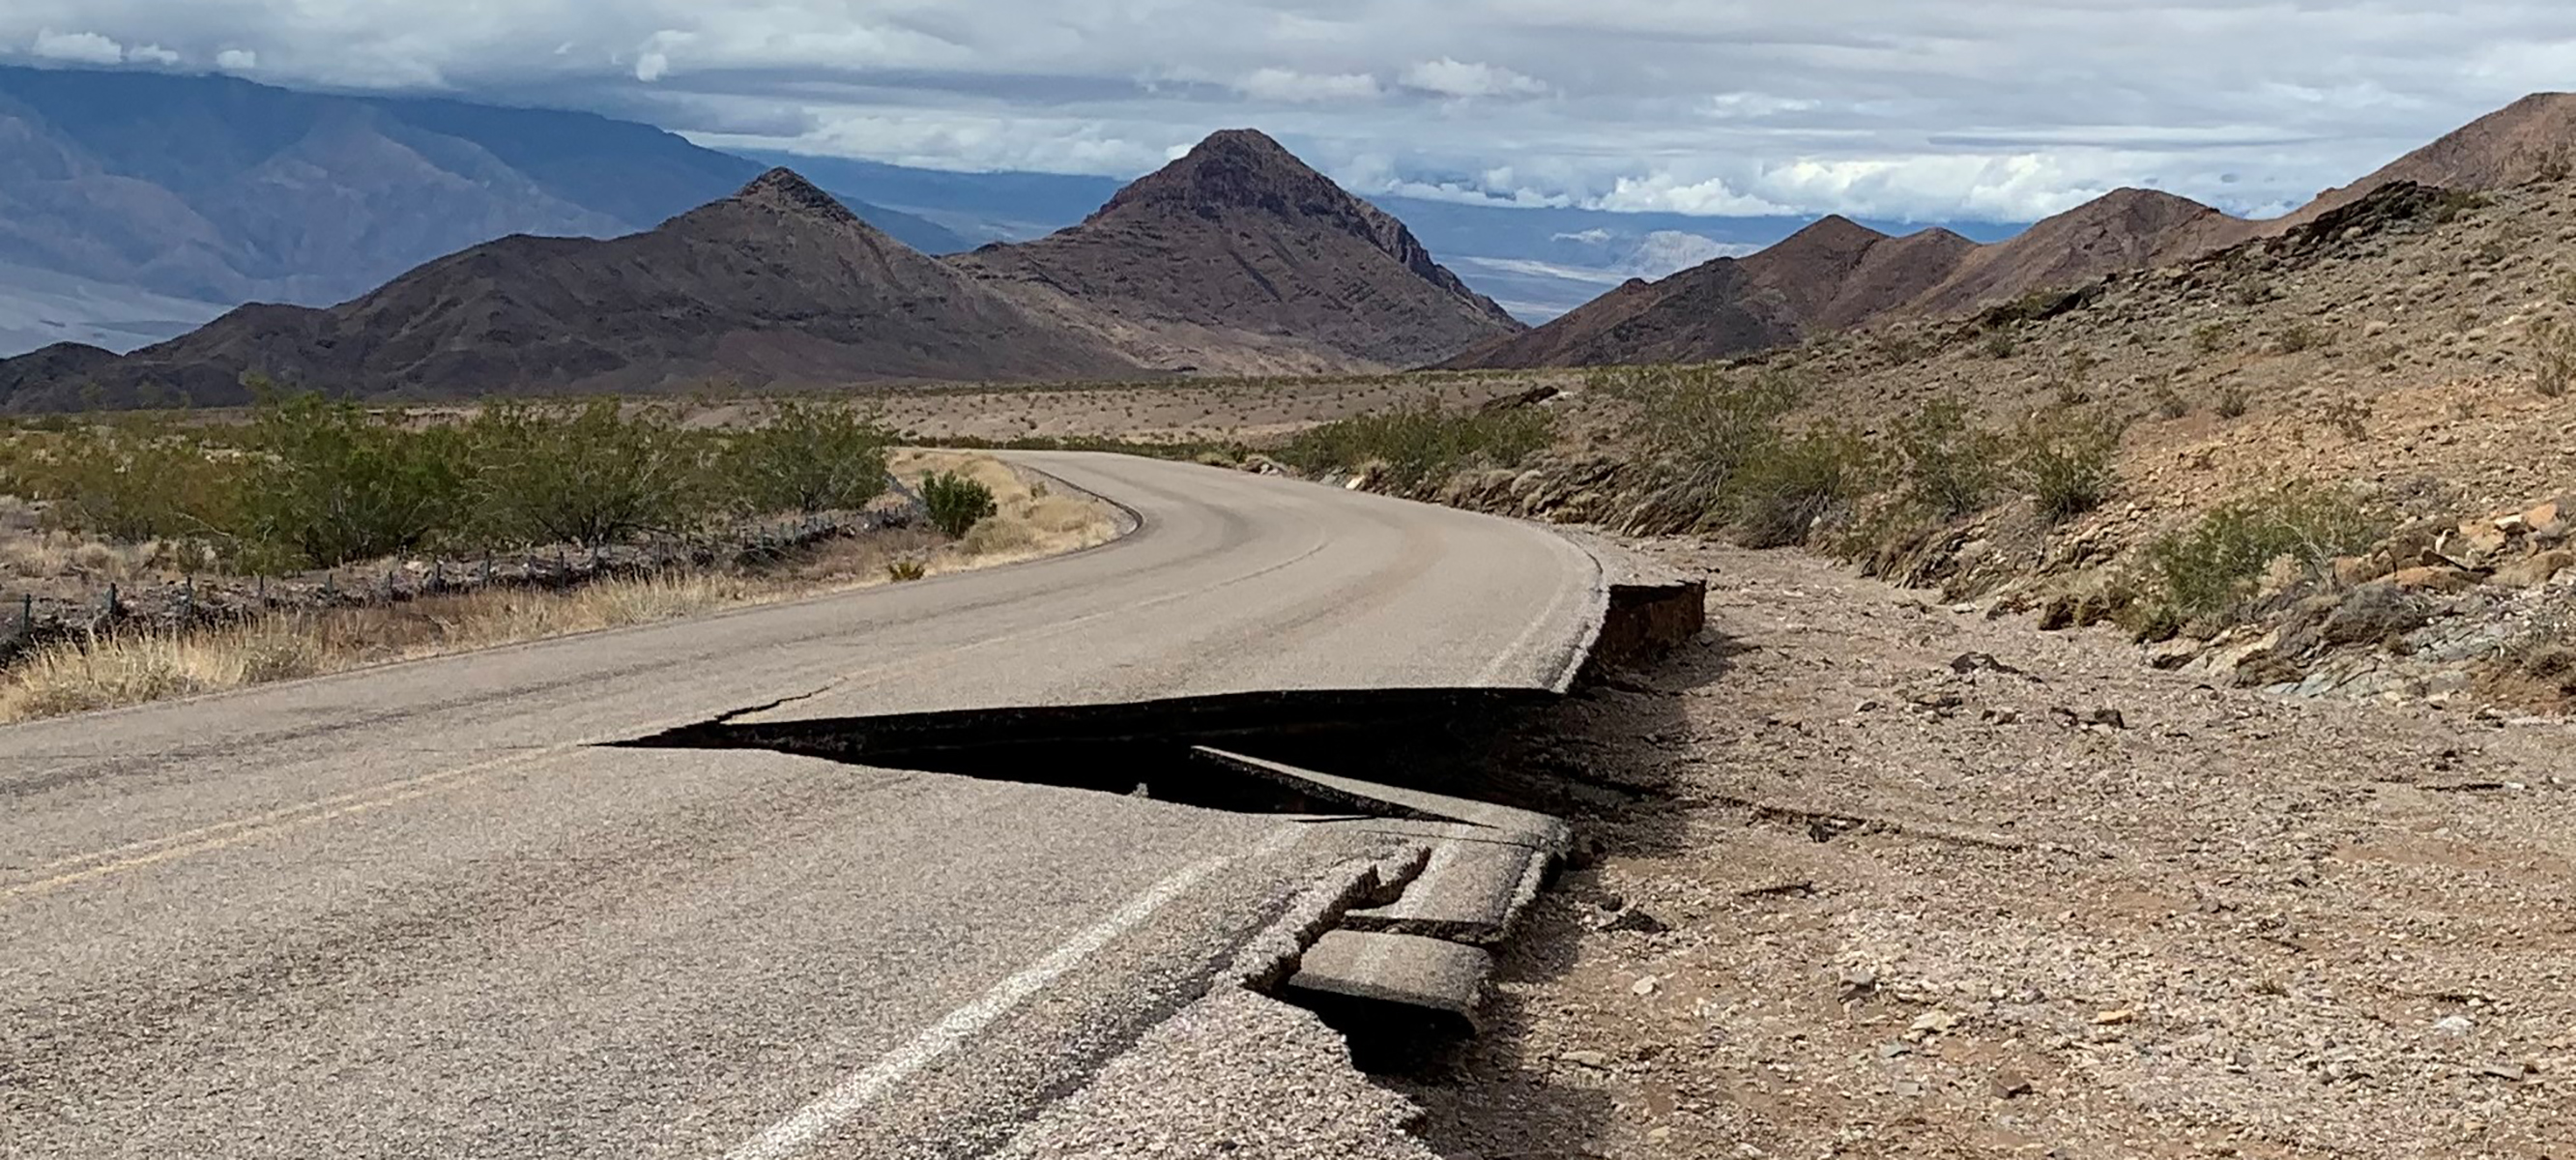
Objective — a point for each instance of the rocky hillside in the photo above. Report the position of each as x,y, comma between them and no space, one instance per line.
1837,274
776,285
1833,273
2342,463
1239,258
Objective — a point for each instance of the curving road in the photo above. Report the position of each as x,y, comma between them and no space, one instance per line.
419,910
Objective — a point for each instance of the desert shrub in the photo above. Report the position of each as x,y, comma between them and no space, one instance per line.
809,457
589,473
1949,468
329,482
955,502
1701,427
1417,444
2169,402
132,480
2553,357
2233,402
2209,568
2211,337
902,571
2350,417
2064,460
2001,345
1783,494
2296,337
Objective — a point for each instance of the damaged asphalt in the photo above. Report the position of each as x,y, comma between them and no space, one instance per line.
439,908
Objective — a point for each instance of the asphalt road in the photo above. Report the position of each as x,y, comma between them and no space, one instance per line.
417,910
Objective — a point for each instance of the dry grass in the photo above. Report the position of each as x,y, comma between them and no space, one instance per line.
1030,519
149,665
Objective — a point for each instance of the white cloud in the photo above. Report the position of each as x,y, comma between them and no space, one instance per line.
1754,106
1451,77
1884,108
78,47
1279,84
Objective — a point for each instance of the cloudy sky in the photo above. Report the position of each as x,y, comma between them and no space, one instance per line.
1996,110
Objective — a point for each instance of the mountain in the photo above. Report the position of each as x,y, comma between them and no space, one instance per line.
136,204
1839,274
1834,272
778,284
2529,138
1236,257
1538,261
1239,258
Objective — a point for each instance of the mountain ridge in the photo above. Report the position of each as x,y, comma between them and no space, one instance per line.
1803,285
1238,257
777,283
781,284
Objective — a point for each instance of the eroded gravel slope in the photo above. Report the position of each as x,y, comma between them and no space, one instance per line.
1900,899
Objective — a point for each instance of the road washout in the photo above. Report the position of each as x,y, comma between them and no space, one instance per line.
1296,1061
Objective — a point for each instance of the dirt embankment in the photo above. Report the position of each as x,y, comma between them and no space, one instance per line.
1880,878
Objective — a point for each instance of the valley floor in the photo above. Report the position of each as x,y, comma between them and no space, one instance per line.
1878,878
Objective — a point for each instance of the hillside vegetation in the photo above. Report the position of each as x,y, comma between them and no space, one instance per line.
2324,461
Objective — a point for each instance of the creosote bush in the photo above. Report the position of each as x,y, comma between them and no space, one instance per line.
1949,467
2209,569
956,503
1797,484
589,473
327,482
313,482
1415,445
2064,460
808,457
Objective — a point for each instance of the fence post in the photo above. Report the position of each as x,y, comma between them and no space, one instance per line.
111,600
27,616
187,600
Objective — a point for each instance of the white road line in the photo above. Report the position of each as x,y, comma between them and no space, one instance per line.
816,1120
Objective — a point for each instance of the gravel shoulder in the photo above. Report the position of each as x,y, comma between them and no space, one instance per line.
1880,878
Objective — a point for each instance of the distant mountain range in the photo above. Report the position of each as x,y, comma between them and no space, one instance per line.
437,249
1236,258
1837,273
136,205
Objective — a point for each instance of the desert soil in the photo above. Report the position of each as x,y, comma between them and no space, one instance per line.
1880,878
1252,410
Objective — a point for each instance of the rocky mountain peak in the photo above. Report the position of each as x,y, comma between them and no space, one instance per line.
1234,169
786,191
